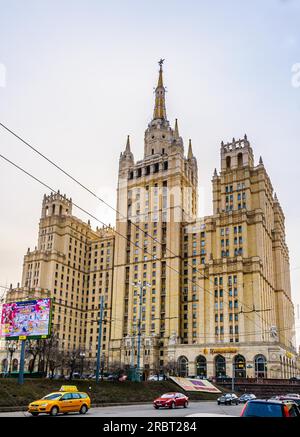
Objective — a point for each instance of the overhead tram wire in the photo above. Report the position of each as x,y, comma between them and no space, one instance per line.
115,210
111,207
109,320
118,233
121,235
100,199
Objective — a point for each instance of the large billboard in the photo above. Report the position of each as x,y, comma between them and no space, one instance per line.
190,384
26,319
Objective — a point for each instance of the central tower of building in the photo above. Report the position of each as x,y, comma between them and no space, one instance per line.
155,195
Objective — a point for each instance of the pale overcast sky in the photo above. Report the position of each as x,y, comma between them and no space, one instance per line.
77,76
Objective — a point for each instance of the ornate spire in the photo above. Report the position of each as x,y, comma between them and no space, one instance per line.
260,160
190,152
176,131
127,149
160,107
215,173
127,154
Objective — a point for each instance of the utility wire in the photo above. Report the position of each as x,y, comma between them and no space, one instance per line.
118,233
103,201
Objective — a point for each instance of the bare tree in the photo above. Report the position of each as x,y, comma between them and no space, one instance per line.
116,368
171,367
34,349
73,361
47,352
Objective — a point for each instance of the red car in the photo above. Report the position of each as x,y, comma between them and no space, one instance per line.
171,400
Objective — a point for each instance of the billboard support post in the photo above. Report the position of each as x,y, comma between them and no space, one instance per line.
22,362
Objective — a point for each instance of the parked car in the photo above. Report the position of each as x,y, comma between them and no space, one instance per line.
171,400
156,378
270,408
68,399
293,395
75,375
113,377
290,399
228,399
247,397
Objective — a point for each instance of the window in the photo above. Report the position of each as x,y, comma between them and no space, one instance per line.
240,160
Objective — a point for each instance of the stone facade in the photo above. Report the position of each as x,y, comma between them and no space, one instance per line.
215,290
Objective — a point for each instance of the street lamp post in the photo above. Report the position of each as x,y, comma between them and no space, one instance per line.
233,376
99,338
141,287
102,364
82,356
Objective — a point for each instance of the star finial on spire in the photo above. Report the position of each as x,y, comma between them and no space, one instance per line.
160,107
160,62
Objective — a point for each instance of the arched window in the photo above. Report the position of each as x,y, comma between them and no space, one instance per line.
201,367
228,162
183,367
260,364
239,364
4,365
15,364
220,366
240,160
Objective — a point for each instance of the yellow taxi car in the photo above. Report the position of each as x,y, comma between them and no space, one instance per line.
67,400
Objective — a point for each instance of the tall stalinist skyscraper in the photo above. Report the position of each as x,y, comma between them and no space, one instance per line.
216,292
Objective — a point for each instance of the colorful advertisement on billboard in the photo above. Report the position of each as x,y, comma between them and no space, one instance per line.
190,384
26,319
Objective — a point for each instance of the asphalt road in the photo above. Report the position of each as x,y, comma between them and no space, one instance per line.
147,410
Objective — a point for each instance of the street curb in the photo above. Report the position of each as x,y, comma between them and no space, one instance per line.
108,404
